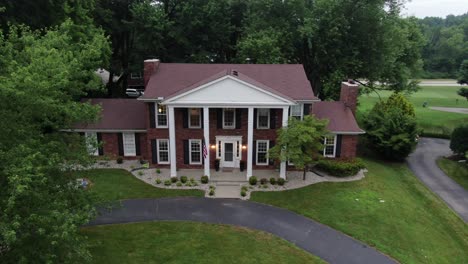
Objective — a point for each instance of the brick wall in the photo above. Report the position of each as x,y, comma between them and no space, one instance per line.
349,94
348,146
111,146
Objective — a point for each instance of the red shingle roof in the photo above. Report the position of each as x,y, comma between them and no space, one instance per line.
118,114
340,117
286,79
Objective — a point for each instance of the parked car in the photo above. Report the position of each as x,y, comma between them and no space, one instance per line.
130,92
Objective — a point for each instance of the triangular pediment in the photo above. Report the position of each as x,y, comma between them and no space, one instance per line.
228,90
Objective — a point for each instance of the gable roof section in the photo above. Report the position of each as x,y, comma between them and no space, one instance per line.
118,114
340,117
287,80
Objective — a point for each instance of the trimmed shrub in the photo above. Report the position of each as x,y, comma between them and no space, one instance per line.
263,181
158,171
119,160
243,193
179,184
244,188
459,140
281,181
183,179
253,180
174,179
145,165
167,182
140,173
212,192
192,180
272,181
158,181
204,179
142,161
340,167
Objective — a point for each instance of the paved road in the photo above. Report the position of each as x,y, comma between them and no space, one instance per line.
438,82
318,239
451,109
423,163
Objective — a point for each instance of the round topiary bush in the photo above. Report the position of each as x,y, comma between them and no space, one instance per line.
174,179
253,180
459,140
263,181
119,160
179,184
212,192
281,181
272,181
204,179
158,181
167,182
243,193
183,179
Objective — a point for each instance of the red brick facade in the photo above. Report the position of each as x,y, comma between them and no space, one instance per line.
111,146
348,146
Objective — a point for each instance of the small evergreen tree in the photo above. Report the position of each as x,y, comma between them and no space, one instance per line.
301,142
391,128
463,74
463,92
459,140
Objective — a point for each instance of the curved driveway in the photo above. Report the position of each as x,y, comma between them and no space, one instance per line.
423,163
320,240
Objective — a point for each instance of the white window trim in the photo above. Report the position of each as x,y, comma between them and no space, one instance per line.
156,114
258,118
325,146
302,111
168,152
233,121
256,152
126,151
199,118
135,75
92,149
190,152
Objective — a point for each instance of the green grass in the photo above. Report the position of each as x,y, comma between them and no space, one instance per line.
455,170
118,184
413,225
188,242
431,121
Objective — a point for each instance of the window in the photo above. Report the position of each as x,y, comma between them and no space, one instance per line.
329,146
195,151
161,116
262,152
194,118
263,118
91,143
296,111
135,75
229,118
129,144
163,151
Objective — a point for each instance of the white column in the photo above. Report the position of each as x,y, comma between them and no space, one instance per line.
172,142
250,142
206,134
285,123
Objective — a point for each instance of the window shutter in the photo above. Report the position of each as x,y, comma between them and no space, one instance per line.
273,118
238,118
152,109
154,152
137,144
185,117
120,140
255,118
306,109
272,144
186,152
338,145
201,117
254,152
219,117
99,140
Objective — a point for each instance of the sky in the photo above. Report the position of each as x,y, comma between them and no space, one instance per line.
437,8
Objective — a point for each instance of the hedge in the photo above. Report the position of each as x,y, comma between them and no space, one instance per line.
340,167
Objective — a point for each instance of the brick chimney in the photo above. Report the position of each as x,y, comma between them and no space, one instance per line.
349,94
150,67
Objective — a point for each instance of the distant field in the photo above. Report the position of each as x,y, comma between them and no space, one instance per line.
431,121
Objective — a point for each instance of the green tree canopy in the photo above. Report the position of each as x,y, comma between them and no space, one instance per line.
459,140
301,142
463,73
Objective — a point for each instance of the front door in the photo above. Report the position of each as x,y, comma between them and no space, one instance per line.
228,159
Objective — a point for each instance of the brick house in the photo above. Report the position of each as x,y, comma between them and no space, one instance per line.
230,110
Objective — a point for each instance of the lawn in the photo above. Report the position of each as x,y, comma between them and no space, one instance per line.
431,121
389,209
118,184
455,170
187,242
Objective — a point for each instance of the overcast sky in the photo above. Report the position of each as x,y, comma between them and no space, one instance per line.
438,8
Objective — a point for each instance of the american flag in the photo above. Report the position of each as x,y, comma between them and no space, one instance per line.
205,151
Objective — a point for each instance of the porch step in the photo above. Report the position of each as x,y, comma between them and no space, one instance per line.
229,183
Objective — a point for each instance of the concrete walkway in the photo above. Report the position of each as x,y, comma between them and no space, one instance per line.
423,163
459,110
318,239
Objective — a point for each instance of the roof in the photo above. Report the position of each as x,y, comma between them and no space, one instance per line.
340,117
287,80
118,114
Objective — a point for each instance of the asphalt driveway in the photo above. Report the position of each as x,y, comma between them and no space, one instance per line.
318,239
423,163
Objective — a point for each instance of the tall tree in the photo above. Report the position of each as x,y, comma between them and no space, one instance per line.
43,74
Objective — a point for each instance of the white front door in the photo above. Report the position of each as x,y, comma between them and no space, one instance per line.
229,151
228,154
